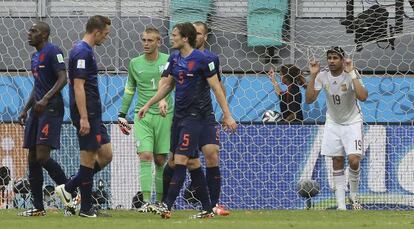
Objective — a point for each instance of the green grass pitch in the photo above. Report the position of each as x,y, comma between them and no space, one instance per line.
313,219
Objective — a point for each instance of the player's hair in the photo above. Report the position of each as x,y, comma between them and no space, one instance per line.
98,22
292,73
153,30
187,30
43,27
336,50
205,27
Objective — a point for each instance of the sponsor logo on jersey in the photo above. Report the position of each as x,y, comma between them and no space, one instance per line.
344,87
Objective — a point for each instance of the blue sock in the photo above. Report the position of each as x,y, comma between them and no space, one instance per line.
55,171
36,183
166,179
86,187
74,182
176,184
199,183
213,179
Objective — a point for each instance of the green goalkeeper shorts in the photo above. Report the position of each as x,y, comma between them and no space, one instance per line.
153,133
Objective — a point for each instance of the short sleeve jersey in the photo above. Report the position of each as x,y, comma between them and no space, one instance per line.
82,65
290,102
190,73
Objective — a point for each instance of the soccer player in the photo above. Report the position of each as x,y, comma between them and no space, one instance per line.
153,132
43,126
209,140
86,115
291,99
192,73
343,127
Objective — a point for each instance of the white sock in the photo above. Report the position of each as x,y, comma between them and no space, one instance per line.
353,183
339,181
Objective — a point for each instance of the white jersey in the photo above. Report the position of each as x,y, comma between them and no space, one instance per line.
342,104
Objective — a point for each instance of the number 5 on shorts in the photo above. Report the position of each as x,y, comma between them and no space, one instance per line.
186,140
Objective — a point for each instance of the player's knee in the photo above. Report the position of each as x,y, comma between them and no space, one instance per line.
354,161
338,162
193,164
211,154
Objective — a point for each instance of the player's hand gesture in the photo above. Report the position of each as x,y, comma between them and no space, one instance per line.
22,117
348,65
40,106
124,125
143,111
314,67
271,74
163,106
229,124
84,127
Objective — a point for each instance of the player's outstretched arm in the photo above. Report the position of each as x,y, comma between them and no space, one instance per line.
228,120
311,92
360,91
23,114
40,105
80,98
165,86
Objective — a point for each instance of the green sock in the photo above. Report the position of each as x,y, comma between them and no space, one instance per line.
146,179
159,170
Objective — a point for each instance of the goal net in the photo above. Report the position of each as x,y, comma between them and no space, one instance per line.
263,162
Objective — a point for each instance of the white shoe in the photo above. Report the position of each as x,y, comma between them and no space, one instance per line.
355,204
64,196
144,208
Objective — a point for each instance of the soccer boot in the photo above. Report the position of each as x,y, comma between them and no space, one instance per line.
32,212
220,210
160,209
144,208
203,215
355,204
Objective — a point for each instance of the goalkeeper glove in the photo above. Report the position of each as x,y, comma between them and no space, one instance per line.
123,124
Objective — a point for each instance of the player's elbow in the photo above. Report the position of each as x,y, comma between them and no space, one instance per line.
363,98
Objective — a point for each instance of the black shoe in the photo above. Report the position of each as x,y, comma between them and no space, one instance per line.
92,213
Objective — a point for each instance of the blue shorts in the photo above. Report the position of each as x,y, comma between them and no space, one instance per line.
189,134
98,135
43,130
210,133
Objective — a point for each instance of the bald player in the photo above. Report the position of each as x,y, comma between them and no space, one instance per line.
43,125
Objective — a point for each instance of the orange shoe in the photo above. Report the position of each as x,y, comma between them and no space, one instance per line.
221,210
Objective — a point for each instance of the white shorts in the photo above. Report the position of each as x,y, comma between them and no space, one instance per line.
342,140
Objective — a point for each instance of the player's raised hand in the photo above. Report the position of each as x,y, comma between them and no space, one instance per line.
314,67
22,117
84,127
271,74
143,111
124,125
40,106
229,124
348,65
163,106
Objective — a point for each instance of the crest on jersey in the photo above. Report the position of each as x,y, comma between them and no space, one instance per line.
42,57
344,87
190,65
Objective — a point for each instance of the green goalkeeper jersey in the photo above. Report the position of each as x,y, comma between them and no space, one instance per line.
143,77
